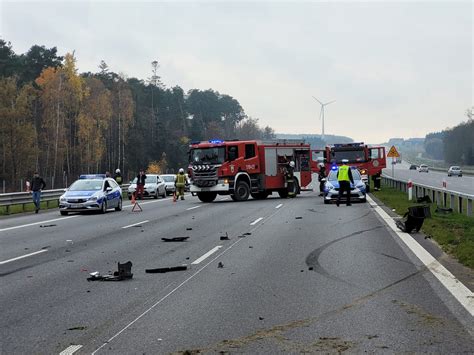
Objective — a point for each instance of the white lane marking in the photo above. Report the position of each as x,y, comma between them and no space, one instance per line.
135,224
70,350
23,256
192,208
448,280
256,221
281,204
167,295
205,256
176,288
33,224
223,199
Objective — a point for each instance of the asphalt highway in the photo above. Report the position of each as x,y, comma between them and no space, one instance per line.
464,184
294,276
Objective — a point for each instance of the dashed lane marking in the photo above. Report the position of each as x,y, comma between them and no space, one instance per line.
136,224
205,256
277,207
192,208
448,280
33,224
256,221
23,256
70,350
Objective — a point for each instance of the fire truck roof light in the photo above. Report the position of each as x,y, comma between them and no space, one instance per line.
215,141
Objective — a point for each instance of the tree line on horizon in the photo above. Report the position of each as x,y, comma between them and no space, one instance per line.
64,123
453,145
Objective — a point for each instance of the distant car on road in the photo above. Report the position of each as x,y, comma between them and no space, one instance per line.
91,193
454,170
331,188
423,168
413,167
169,181
154,187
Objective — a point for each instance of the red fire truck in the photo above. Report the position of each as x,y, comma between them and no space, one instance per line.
370,160
246,168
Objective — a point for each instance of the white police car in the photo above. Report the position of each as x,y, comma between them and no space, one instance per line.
331,188
91,193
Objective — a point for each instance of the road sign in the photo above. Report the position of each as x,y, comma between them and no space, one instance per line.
393,153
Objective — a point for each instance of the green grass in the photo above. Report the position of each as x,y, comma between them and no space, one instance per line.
453,232
29,207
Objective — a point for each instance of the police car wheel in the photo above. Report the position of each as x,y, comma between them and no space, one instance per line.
119,206
103,207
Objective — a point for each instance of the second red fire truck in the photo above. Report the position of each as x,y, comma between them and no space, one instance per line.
246,168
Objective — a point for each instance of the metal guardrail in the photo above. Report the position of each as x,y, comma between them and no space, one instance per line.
25,198
442,197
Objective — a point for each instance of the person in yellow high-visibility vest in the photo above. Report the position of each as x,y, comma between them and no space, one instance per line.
344,177
180,183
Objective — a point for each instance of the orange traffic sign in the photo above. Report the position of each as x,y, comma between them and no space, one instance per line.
393,153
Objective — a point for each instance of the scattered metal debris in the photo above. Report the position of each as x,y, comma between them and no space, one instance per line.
162,270
220,265
47,225
311,268
175,239
248,233
261,318
189,229
124,273
299,217
225,237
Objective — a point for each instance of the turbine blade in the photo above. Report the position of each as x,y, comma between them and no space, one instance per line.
330,102
317,100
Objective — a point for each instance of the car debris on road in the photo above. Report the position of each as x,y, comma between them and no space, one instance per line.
124,273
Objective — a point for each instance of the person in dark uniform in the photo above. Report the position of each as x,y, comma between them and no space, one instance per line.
344,177
321,178
290,179
377,178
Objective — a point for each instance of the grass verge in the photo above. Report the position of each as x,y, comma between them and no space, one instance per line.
453,232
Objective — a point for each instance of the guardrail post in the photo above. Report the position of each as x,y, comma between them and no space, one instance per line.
451,201
469,207
460,204
439,199
445,199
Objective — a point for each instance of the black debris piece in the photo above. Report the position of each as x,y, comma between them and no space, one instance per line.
137,226
67,251
46,247
299,217
220,265
242,236
247,233
310,268
187,258
162,270
47,225
70,261
225,237
261,318
427,236
189,229
124,273
175,239
302,270
250,246
77,328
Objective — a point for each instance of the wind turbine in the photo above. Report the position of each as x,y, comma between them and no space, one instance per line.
321,114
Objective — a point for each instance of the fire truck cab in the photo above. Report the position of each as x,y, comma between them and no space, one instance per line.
246,168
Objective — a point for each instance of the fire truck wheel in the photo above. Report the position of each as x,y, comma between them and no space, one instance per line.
283,193
207,196
242,191
232,196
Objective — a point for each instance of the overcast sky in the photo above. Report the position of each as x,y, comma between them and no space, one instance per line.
395,69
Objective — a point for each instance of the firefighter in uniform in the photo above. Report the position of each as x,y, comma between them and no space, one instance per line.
321,178
290,180
344,177
180,183
376,177
118,177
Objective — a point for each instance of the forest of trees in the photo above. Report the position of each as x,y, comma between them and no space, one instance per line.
63,123
454,145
